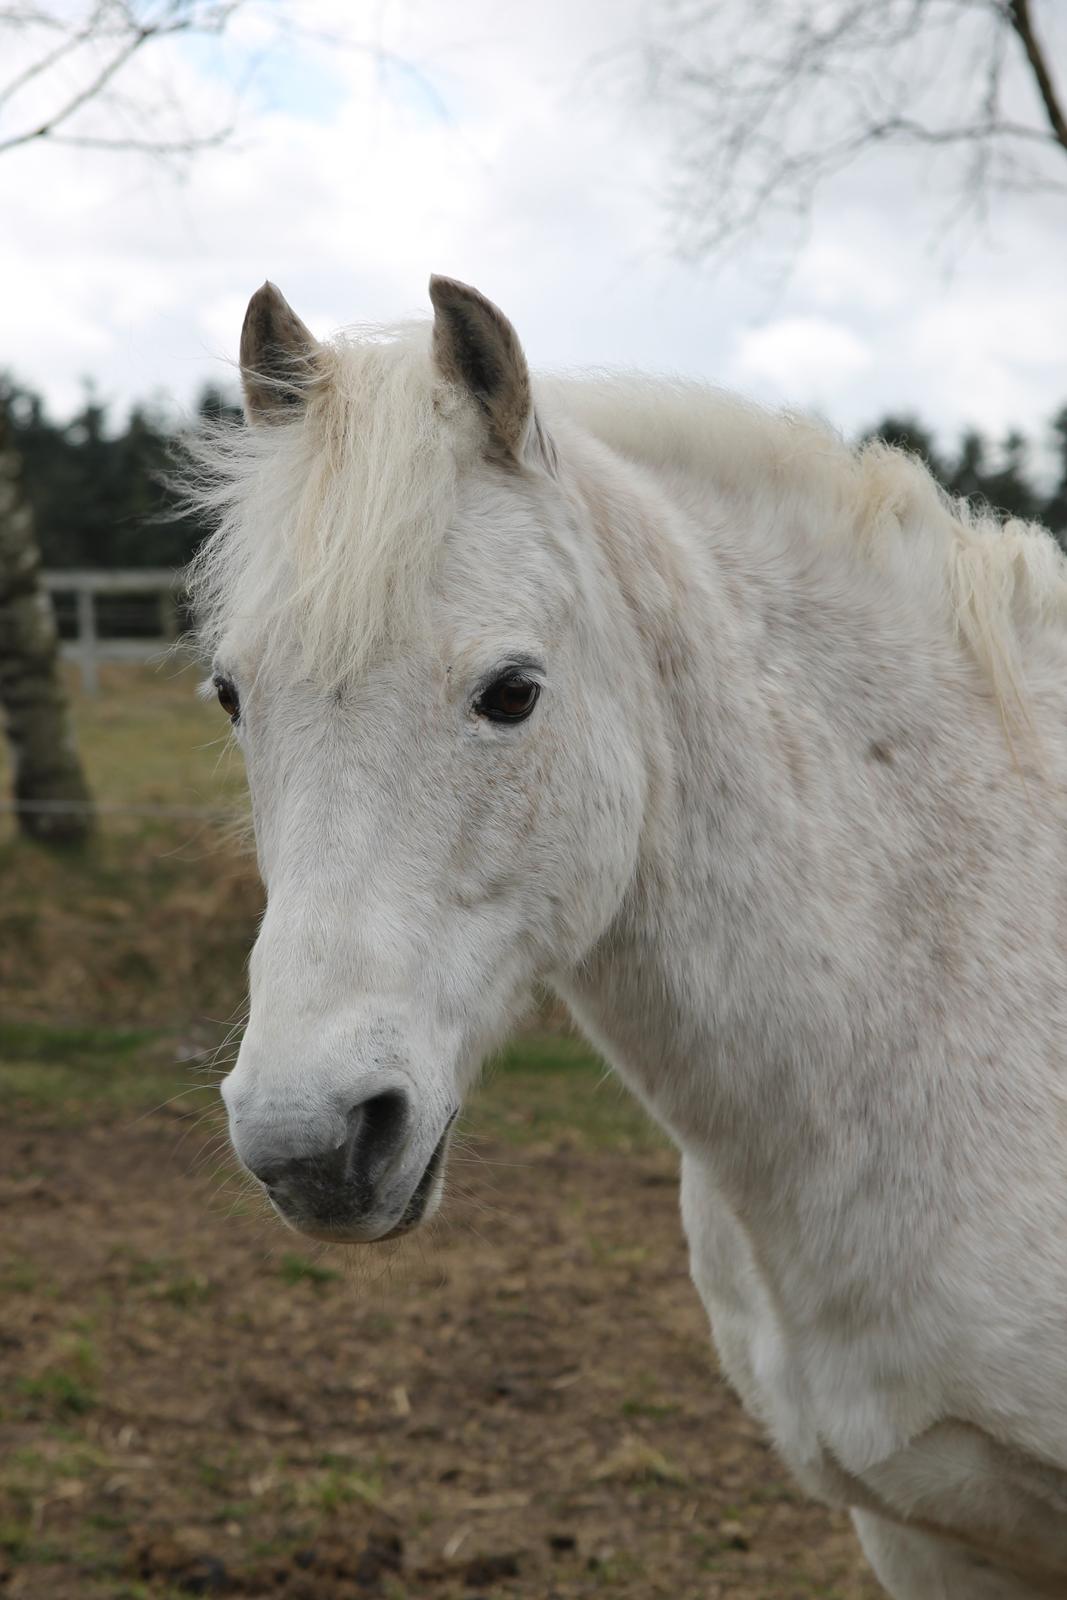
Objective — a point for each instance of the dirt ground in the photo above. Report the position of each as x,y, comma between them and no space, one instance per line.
521,1401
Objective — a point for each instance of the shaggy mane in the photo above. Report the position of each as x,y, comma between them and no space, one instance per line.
995,580
331,524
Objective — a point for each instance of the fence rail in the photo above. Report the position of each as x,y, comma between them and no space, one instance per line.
89,648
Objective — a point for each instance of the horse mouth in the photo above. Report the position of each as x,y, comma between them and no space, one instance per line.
415,1209
344,1216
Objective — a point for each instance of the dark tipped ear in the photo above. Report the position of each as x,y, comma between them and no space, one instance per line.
277,357
475,346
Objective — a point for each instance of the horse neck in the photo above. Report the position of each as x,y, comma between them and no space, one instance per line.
728,989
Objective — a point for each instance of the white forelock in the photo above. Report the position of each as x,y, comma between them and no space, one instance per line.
327,526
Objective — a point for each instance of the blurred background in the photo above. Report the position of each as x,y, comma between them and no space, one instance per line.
857,206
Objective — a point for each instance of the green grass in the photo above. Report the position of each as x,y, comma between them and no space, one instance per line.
551,1088
148,739
338,1484
188,1290
65,1389
67,1072
151,922
537,1054
547,1088
295,1269
38,1042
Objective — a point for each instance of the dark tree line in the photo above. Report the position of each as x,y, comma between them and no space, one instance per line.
98,493
100,499
1001,475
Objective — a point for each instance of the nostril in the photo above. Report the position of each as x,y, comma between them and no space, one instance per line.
376,1128
269,1173
373,1136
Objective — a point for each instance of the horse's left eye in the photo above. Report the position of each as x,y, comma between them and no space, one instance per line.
510,698
228,698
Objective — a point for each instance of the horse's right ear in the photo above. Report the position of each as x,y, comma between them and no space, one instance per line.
278,357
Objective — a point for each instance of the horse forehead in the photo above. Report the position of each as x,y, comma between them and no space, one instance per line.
505,564
480,618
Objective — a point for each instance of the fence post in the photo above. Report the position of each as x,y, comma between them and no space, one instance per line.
87,637
169,617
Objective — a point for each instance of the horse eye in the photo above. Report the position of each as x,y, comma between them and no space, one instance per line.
228,698
508,699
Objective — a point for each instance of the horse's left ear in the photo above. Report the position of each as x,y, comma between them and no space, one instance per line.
475,347
278,357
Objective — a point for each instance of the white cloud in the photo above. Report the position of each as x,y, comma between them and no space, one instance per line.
501,158
801,355
838,270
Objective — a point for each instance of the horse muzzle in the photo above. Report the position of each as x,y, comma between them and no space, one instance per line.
380,1181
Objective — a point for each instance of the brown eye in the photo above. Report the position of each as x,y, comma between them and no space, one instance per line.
508,699
228,698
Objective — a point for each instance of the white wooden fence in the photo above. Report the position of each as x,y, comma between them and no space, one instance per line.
85,584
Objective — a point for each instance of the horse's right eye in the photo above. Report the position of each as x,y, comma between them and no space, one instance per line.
228,698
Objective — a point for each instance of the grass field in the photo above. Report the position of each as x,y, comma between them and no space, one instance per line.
519,1402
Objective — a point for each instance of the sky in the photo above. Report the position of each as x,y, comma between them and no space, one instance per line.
508,145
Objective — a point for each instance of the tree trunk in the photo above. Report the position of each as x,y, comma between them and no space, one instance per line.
51,793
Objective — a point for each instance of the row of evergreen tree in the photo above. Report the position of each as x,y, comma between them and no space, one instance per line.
99,493
999,475
100,498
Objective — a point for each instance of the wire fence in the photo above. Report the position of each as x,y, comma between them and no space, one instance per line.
66,808
118,616
115,614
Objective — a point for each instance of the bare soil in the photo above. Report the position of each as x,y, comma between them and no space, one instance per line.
521,1401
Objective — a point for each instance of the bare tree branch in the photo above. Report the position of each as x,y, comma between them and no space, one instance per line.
68,46
763,106
1022,22
61,66
91,91
118,31
148,147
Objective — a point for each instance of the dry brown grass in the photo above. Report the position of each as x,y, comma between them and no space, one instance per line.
151,923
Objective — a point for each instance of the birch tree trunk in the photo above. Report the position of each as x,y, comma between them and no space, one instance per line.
50,789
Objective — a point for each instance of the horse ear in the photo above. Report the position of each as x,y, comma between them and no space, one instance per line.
475,347
278,357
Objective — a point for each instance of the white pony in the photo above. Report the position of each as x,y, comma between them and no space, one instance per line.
754,747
